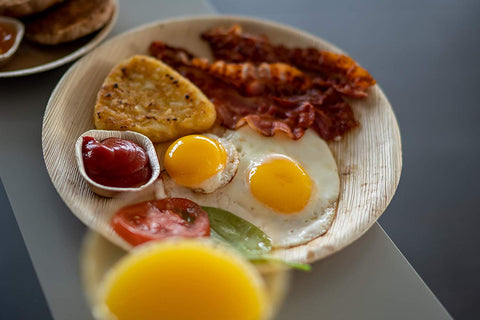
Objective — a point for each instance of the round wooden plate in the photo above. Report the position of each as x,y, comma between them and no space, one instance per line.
369,158
32,58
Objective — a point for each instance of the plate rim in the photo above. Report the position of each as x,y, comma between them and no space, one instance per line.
89,46
398,159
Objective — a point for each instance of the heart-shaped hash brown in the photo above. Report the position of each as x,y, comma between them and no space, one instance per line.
143,94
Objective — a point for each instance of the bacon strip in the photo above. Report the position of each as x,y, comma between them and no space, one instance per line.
253,80
270,109
328,69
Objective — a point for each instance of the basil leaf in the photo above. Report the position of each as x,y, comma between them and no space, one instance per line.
238,232
252,242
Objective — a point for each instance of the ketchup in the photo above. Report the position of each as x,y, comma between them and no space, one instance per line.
7,36
116,162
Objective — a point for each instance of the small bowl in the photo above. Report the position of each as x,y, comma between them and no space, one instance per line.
20,29
140,139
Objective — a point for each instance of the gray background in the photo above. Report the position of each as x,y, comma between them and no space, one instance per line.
426,57
17,270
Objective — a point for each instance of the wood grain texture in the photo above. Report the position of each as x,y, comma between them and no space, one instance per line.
369,158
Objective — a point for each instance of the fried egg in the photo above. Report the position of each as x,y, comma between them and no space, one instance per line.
288,188
202,163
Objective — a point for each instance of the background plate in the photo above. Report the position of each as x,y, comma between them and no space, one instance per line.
368,158
33,58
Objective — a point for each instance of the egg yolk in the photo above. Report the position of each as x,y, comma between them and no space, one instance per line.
184,281
193,159
280,183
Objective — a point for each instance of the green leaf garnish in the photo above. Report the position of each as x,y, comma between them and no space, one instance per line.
238,232
252,242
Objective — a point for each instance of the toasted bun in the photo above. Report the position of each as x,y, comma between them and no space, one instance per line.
23,8
69,21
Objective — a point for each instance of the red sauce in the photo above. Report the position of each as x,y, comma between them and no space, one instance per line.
116,162
7,36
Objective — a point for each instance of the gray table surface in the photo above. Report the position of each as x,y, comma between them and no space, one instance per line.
368,280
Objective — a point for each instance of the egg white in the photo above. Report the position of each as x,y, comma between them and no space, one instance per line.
225,175
286,230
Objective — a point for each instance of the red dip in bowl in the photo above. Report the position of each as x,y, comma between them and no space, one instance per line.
116,162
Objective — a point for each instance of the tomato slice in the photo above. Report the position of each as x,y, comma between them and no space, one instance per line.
160,219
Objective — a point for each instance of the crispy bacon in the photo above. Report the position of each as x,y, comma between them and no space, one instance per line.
333,116
254,80
327,69
269,110
250,79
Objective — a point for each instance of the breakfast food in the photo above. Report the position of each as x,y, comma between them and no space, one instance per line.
161,219
69,21
203,163
280,177
144,95
183,280
116,162
23,8
265,104
288,188
273,176
253,80
273,88
327,69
